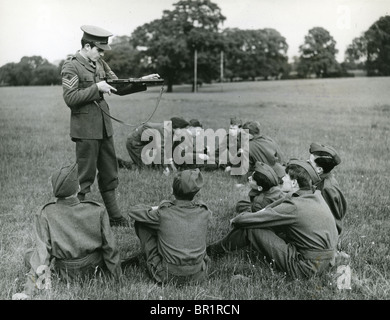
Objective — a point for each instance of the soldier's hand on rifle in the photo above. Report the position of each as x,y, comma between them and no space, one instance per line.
104,87
151,76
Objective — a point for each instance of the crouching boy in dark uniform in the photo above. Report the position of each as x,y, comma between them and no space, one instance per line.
303,216
173,235
72,236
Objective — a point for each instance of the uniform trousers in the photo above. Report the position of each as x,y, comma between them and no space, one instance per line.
158,268
97,155
284,255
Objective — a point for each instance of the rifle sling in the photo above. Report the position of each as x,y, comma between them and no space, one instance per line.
133,125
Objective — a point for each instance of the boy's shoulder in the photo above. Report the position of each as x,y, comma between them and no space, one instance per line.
93,205
41,208
168,203
200,203
92,202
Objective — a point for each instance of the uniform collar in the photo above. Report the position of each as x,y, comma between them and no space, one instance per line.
325,175
302,192
84,62
69,201
182,203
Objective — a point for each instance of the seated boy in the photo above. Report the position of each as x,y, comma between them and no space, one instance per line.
72,236
309,245
261,147
324,158
264,183
173,235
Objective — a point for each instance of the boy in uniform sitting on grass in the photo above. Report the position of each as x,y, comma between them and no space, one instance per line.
324,158
173,235
72,236
265,189
310,236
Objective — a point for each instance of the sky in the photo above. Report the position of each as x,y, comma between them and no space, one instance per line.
51,28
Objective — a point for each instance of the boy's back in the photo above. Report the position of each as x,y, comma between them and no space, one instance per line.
182,232
173,235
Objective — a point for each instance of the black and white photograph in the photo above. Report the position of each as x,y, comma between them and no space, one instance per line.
192,157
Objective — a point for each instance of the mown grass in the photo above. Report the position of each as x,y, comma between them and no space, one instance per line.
350,114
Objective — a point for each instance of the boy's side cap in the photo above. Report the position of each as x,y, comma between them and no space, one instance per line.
179,123
317,147
315,178
268,171
65,181
190,180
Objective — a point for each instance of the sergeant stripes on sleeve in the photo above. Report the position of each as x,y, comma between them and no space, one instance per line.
69,83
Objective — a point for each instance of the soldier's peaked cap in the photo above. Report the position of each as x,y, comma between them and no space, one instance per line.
97,35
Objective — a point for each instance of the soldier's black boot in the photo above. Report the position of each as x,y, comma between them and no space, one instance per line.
215,249
114,213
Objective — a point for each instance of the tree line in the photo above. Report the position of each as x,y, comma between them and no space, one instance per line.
168,46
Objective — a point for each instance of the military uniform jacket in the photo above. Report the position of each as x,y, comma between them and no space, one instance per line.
69,229
303,216
147,133
264,149
181,229
148,129
79,80
333,196
261,199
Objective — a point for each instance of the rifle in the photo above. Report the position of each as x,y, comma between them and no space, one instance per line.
132,85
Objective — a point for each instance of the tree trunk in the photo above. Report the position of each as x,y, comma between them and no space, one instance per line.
170,85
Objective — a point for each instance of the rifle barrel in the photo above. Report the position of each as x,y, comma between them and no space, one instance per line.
135,80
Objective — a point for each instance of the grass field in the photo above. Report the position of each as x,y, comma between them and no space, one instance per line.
353,115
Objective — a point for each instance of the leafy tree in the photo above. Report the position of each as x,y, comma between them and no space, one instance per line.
318,54
7,74
356,53
244,53
33,70
378,47
255,53
46,74
170,42
372,49
276,60
124,59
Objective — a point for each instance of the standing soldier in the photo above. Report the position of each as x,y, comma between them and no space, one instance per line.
83,83
90,128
